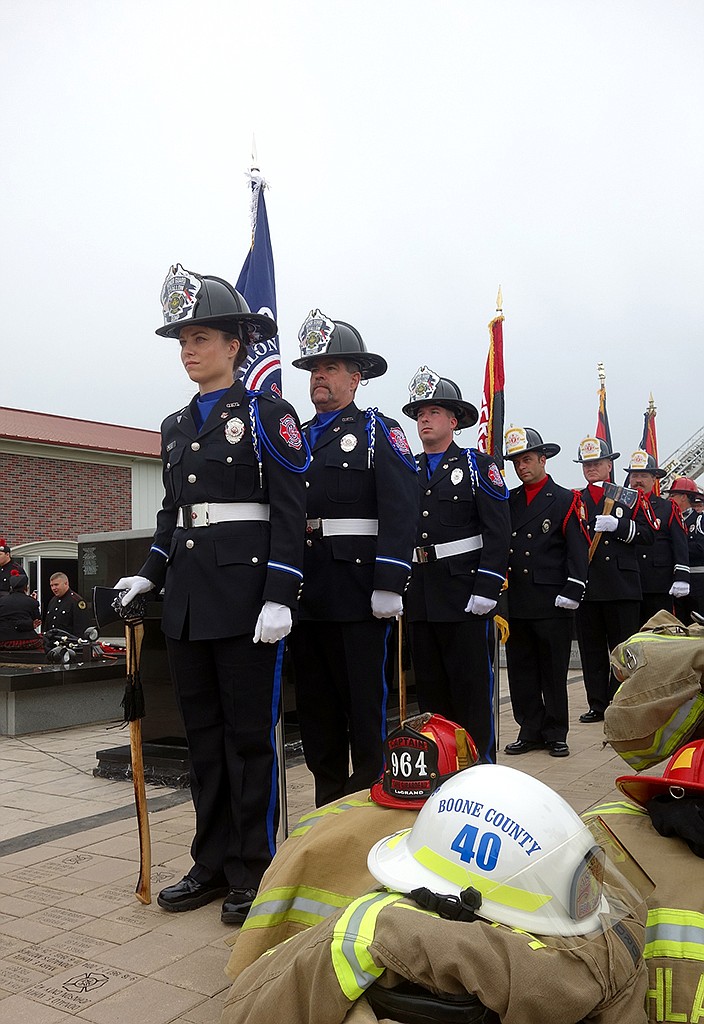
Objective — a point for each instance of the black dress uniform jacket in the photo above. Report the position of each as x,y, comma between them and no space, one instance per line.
18,613
694,525
341,572
454,506
69,612
549,553
613,570
221,575
666,561
12,568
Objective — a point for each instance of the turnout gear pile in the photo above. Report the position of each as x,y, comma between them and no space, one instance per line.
659,704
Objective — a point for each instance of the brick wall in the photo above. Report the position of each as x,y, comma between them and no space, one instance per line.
52,499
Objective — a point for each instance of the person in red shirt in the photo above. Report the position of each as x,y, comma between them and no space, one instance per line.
547,576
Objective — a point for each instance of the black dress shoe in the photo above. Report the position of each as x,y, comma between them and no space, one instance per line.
237,905
188,894
556,748
591,716
523,746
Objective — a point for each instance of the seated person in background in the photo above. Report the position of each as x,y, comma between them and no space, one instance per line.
19,615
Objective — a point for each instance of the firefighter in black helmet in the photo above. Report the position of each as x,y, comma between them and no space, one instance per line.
459,563
228,550
361,506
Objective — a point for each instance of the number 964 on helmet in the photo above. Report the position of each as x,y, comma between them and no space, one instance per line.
535,863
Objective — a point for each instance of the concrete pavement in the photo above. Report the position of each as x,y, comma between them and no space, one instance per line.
74,942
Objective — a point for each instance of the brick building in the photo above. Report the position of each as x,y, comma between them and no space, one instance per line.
61,477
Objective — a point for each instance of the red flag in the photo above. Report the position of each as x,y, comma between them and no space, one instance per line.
490,434
603,430
649,441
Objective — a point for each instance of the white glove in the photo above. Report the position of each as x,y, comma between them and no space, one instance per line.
605,524
679,590
480,605
386,604
566,602
273,624
133,585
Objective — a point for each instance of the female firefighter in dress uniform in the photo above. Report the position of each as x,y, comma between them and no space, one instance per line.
228,550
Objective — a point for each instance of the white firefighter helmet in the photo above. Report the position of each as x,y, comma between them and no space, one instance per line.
535,863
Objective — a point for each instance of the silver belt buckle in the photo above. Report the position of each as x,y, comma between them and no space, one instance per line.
195,515
425,554
313,524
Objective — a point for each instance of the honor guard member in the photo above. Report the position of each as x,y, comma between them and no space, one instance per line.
547,575
498,896
664,565
228,550
459,565
67,610
610,610
690,501
362,506
8,566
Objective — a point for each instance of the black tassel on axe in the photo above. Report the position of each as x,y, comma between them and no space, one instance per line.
132,702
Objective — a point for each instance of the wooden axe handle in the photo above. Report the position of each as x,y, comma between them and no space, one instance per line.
143,889
608,505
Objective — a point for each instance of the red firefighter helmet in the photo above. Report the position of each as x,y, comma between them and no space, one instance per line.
684,485
418,757
683,776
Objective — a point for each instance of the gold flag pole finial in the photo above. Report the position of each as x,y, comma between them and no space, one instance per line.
499,301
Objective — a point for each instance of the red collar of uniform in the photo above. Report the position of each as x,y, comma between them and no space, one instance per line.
532,490
596,492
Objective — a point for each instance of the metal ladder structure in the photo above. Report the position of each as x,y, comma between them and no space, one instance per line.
688,460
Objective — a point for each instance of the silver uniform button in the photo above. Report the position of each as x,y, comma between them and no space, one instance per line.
168,465
191,478
358,561
345,465
189,544
425,512
255,560
424,536
228,459
195,447
427,492
307,483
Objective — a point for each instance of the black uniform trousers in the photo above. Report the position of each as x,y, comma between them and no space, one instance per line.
601,626
341,696
228,691
454,672
538,659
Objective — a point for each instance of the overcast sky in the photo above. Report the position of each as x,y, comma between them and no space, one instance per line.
419,155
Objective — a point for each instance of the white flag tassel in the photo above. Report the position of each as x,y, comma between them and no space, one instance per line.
258,182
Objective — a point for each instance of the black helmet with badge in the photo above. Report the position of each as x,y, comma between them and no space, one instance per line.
644,462
521,440
190,299
428,388
591,449
321,336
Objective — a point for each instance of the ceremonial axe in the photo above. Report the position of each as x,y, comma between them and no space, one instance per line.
108,608
627,496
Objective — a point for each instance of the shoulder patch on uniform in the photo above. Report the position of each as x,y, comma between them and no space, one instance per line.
399,441
494,474
288,429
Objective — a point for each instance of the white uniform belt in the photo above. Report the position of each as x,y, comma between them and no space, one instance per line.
205,513
696,568
344,527
431,552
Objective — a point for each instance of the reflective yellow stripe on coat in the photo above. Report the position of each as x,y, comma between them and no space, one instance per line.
354,932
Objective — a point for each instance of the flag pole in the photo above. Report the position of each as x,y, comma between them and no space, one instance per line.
497,644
